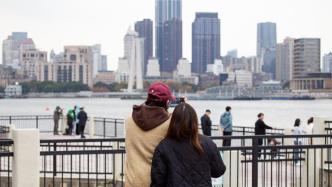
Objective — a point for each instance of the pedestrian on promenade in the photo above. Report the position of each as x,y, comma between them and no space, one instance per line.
226,123
260,129
144,130
185,158
82,118
76,124
206,123
56,117
310,126
70,121
298,141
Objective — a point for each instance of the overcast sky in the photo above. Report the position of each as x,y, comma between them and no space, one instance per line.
55,23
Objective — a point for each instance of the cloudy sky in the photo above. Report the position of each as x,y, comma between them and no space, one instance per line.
55,23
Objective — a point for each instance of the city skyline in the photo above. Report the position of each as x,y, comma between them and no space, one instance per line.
66,22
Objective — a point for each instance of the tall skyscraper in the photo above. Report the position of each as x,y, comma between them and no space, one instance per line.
266,46
284,60
11,49
96,50
104,64
134,54
144,29
168,33
306,57
266,36
327,63
205,41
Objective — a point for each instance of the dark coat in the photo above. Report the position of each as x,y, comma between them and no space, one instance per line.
82,117
177,163
260,127
206,125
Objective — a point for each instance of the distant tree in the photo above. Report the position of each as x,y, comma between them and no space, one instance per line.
49,87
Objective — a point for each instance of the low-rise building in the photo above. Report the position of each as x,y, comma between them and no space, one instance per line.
241,78
13,91
313,82
106,77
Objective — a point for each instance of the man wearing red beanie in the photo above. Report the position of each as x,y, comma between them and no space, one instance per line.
146,127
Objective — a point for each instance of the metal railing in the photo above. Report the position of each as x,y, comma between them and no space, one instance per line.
104,127
6,157
89,162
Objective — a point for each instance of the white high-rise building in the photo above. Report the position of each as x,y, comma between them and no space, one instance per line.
327,63
184,68
153,68
96,52
134,53
122,73
216,68
128,41
11,49
284,60
136,62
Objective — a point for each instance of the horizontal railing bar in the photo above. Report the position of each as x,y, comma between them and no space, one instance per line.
82,152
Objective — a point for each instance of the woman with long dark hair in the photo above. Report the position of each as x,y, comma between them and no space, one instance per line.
185,158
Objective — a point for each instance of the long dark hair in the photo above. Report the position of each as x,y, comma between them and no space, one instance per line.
184,126
297,123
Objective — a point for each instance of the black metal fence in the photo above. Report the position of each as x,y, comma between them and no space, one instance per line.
6,157
292,163
87,162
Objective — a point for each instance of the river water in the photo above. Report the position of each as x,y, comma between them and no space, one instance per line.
279,114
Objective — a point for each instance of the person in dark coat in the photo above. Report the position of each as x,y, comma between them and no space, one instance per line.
206,123
185,158
82,118
260,129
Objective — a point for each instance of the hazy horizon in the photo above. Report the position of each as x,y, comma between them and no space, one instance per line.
53,24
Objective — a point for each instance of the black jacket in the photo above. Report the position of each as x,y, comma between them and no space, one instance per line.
206,122
260,127
82,117
177,163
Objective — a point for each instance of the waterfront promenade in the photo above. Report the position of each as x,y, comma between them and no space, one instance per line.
99,159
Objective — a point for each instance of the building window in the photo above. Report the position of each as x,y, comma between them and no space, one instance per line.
72,57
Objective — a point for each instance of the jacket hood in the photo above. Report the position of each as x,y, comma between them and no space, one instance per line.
149,117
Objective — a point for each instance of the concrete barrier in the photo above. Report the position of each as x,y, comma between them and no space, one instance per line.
26,158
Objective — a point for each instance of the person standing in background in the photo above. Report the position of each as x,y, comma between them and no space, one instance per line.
56,117
82,118
76,129
206,123
226,123
70,121
260,129
310,126
298,141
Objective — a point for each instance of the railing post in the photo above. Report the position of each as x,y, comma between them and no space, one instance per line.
10,119
26,158
37,125
254,171
104,127
54,160
233,174
116,128
92,127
